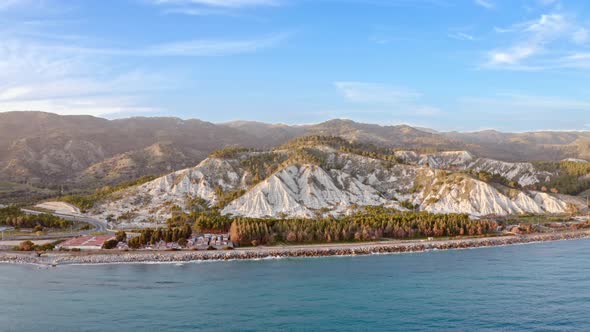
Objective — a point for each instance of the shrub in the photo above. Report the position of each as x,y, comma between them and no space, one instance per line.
26,246
121,236
110,244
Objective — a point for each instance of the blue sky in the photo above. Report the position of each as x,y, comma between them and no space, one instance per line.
512,65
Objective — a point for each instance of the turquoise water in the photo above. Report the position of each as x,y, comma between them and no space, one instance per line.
544,287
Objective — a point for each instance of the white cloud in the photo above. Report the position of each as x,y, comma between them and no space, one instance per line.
462,36
198,11
189,48
513,55
76,106
68,83
531,48
220,3
485,3
45,71
577,60
397,99
211,7
210,47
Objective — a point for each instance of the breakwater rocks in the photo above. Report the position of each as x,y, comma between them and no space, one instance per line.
104,257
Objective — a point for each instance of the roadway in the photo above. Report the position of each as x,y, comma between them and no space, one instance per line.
99,226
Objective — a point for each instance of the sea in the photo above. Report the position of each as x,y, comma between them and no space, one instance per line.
533,287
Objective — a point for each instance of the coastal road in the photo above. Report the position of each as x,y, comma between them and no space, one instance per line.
99,226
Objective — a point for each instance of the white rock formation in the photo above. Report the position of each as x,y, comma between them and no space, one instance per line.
343,183
523,173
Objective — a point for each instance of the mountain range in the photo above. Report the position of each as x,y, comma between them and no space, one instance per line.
44,153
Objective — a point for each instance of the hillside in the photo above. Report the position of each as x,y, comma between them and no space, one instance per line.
319,177
42,154
50,151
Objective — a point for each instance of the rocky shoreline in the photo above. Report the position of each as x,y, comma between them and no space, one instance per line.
127,257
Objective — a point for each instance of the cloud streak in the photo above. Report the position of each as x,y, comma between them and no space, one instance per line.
487,4
212,7
543,43
189,48
220,3
67,83
385,96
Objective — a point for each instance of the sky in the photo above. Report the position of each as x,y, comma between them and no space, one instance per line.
511,65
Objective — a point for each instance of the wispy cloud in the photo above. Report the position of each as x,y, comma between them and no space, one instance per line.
66,83
212,7
220,3
199,11
577,60
43,69
188,48
538,44
382,95
461,36
210,47
488,4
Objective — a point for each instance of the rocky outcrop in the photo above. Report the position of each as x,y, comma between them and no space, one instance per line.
524,173
339,184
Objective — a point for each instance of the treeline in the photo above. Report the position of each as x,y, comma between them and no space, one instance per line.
86,202
572,168
335,142
230,152
225,197
564,184
575,168
496,178
202,222
263,164
382,154
338,143
13,216
149,236
367,226
571,177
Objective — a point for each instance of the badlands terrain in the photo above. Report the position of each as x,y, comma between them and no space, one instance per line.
327,176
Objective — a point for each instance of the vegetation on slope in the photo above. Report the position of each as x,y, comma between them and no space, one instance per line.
85,202
572,177
342,145
493,178
15,217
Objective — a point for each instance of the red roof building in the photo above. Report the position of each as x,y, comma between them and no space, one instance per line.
86,242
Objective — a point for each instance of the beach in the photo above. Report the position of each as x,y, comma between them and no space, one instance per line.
320,250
